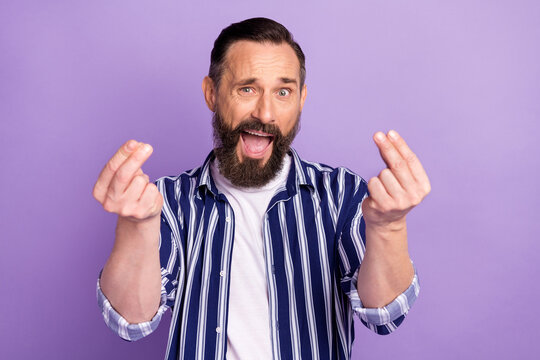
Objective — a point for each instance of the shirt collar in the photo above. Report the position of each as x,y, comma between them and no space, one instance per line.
205,180
297,176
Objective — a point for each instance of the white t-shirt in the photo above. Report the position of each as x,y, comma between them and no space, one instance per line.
248,328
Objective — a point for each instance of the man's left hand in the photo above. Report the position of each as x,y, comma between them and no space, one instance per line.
398,188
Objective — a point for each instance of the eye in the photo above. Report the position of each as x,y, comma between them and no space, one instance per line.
284,92
246,90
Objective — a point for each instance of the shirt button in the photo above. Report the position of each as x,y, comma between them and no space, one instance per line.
218,329
222,273
228,219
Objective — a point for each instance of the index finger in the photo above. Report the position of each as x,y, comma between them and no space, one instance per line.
114,163
129,168
394,160
410,157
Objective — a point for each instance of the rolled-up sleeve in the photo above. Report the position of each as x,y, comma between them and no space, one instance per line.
386,319
118,324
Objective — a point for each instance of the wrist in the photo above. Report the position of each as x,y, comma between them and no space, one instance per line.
389,239
138,224
387,227
138,234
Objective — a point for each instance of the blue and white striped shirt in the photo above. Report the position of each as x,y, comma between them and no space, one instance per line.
314,243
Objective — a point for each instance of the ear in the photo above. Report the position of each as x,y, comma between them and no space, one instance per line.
209,92
303,94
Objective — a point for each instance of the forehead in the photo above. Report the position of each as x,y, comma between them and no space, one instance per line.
264,61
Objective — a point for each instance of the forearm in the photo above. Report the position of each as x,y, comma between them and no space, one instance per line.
131,278
386,270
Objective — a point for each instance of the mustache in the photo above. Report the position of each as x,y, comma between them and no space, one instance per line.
256,124
227,137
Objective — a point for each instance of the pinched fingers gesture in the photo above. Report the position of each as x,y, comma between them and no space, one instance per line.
123,188
399,187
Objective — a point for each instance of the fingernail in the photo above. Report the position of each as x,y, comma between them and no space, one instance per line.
131,145
379,136
393,134
146,148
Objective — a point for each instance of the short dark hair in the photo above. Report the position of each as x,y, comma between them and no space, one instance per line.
258,29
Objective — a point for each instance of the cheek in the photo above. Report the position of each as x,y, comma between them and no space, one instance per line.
236,112
228,114
289,119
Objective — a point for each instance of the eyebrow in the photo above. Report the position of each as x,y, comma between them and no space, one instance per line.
246,81
287,80
252,80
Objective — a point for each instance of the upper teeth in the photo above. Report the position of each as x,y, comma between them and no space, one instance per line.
256,134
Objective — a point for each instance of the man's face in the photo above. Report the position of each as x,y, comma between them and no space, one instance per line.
256,109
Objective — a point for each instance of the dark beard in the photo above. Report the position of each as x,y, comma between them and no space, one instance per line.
250,172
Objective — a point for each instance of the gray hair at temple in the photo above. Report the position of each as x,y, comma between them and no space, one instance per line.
258,29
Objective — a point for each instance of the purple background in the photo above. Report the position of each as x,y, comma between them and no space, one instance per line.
460,80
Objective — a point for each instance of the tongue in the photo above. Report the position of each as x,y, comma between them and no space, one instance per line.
255,144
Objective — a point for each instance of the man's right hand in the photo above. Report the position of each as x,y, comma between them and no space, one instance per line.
131,277
124,189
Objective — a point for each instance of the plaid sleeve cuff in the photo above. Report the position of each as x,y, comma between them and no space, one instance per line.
387,315
127,331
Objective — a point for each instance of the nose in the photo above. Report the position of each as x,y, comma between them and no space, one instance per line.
264,109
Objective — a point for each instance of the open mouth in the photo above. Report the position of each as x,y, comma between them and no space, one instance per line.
256,142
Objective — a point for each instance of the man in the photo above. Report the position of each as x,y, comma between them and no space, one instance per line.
258,252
